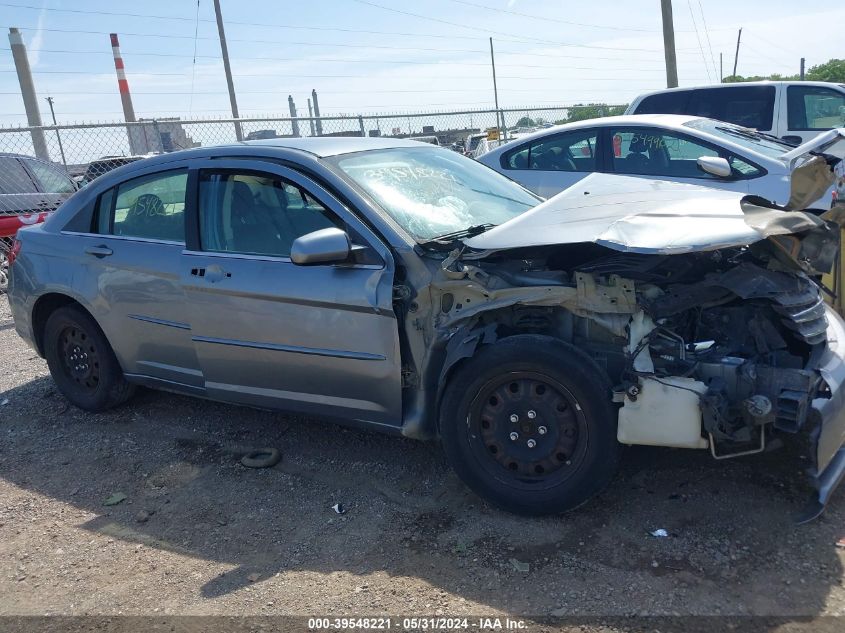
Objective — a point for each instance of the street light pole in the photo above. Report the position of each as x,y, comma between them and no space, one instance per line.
58,136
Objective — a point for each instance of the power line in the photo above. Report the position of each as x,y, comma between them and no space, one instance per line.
194,61
544,18
85,72
342,60
330,44
489,31
707,33
550,19
403,48
698,38
509,37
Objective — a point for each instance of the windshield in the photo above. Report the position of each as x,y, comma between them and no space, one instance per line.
746,137
431,192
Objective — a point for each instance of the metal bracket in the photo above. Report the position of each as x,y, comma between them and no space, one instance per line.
753,451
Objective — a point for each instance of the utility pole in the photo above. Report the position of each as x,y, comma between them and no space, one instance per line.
736,56
503,132
317,112
669,44
58,136
293,122
228,69
802,69
721,72
311,117
30,101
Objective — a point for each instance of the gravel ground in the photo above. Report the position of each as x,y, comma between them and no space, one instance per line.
200,534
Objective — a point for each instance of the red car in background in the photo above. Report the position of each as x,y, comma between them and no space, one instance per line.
29,190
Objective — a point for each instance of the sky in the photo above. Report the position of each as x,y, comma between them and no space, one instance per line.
380,56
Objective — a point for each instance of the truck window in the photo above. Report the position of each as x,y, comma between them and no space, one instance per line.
814,108
748,106
674,102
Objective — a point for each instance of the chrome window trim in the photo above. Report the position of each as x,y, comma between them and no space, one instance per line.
125,238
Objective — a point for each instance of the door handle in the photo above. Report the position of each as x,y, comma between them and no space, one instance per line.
99,251
215,273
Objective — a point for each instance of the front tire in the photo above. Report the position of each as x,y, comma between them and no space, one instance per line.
82,362
528,424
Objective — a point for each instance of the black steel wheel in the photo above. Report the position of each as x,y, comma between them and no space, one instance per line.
528,424
531,429
82,362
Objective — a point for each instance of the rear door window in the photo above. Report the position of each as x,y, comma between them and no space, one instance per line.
573,151
13,177
151,207
50,178
814,108
674,102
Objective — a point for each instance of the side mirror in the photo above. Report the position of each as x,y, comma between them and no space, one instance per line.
716,166
325,246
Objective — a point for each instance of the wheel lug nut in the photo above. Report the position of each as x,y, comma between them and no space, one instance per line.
514,436
532,414
514,418
531,443
542,430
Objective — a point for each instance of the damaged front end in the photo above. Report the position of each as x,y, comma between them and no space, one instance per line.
725,347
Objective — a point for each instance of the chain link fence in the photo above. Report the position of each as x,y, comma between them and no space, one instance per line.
74,147
41,166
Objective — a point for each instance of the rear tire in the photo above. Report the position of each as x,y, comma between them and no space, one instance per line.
82,362
529,425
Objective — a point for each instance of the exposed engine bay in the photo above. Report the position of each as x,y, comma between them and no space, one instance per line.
713,350
739,335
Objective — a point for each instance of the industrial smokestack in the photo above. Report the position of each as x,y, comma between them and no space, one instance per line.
30,101
317,112
137,142
294,123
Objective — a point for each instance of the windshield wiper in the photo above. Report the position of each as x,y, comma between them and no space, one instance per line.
446,238
754,135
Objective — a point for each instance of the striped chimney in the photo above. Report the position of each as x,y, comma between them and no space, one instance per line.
122,84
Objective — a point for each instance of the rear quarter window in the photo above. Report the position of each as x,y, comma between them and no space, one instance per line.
674,102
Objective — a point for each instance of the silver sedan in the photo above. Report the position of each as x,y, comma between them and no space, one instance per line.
406,288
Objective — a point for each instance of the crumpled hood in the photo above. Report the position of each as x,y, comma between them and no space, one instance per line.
812,168
644,216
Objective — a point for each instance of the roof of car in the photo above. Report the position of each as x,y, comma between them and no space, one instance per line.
324,146
737,84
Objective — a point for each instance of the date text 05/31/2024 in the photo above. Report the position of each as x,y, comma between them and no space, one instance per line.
415,624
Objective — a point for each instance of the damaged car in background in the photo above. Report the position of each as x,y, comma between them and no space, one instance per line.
402,287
